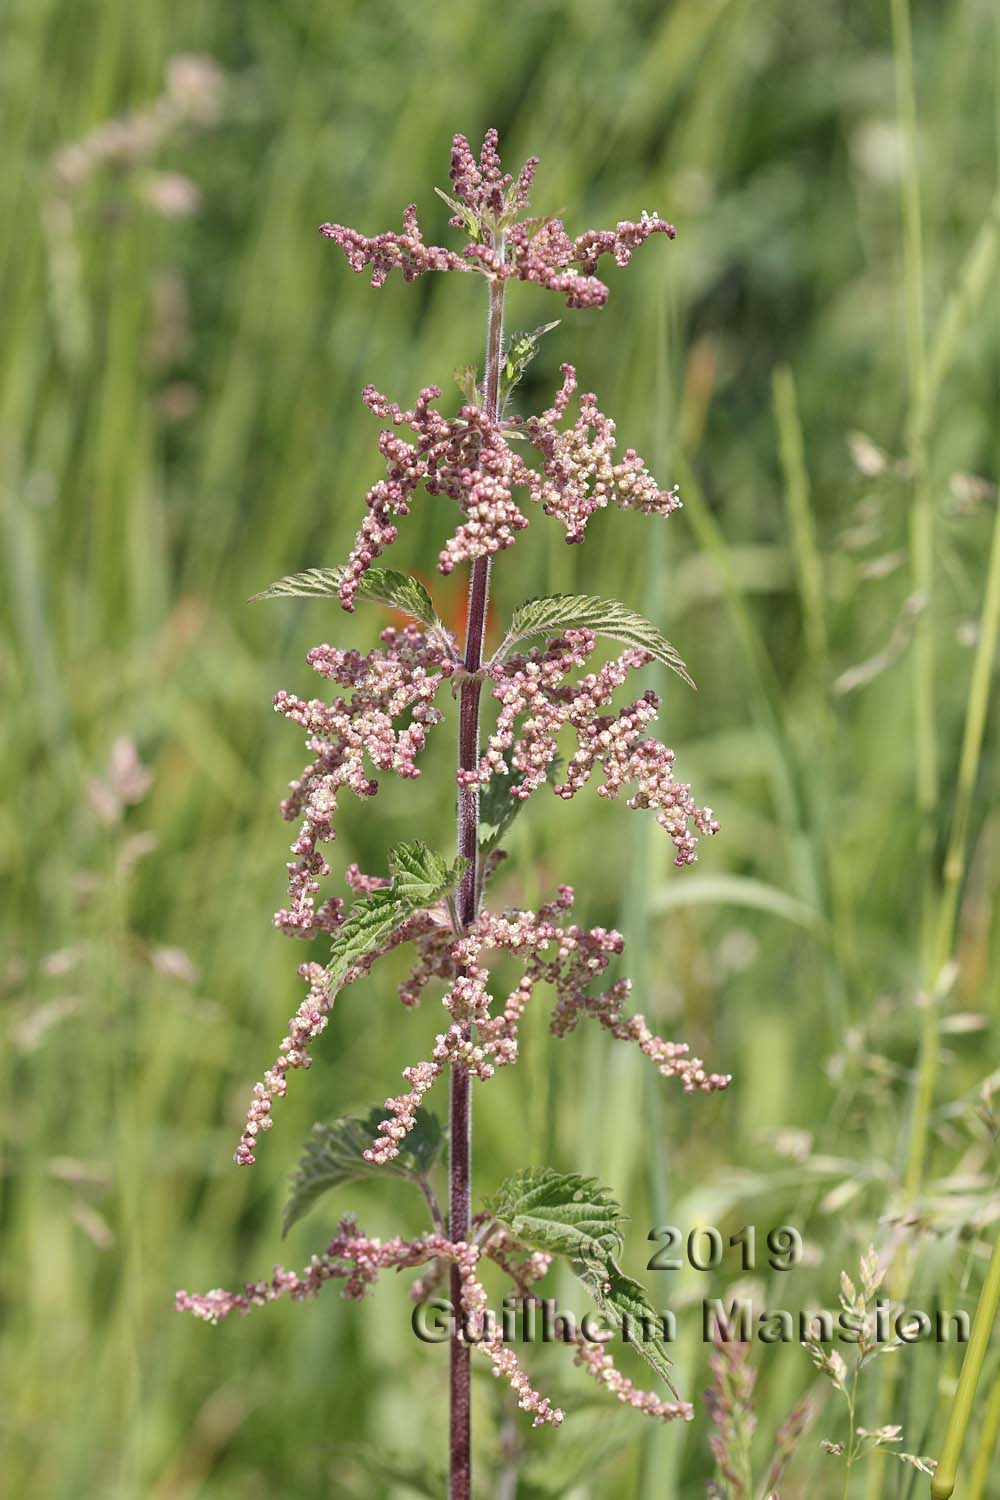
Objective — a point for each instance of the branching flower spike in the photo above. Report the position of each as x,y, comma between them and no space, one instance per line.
555,724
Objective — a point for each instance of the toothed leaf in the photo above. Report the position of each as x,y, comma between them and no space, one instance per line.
461,212
561,1213
520,350
419,878
378,586
626,1305
565,1214
334,1154
498,809
608,617
465,377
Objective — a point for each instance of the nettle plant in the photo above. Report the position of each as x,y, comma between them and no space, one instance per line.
546,694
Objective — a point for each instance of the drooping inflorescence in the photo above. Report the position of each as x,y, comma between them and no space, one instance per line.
357,1259
537,704
567,958
547,701
347,735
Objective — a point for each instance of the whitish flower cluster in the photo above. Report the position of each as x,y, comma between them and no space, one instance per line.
399,680
487,204
566,957
537,704
579,474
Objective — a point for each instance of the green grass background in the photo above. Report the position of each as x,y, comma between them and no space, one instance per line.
180,423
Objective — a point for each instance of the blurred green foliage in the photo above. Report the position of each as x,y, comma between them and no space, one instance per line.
180,423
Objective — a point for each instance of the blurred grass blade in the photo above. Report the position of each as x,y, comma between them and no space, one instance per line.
963,301
738,890
807,559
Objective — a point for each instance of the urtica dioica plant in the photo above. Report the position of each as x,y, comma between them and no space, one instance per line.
549,697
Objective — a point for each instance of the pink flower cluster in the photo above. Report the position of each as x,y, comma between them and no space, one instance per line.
309,1020
490,194
579,475
569,958
540,250
383,252
481,1329
401,679
378,720
464,458
536,704
489,201
350,1257
467,459
356,1260
595,1359
312,1015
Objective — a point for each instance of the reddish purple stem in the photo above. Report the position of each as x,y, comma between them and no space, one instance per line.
460,1159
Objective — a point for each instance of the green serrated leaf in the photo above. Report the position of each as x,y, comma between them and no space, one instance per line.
625,1303
314,583
334,1154
399,591
416,870
608,617
560,1212
498,809
378,586
424,1143
519,351
565,1214
419,878
371,921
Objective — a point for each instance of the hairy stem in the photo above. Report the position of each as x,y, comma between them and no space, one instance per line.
460,1150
